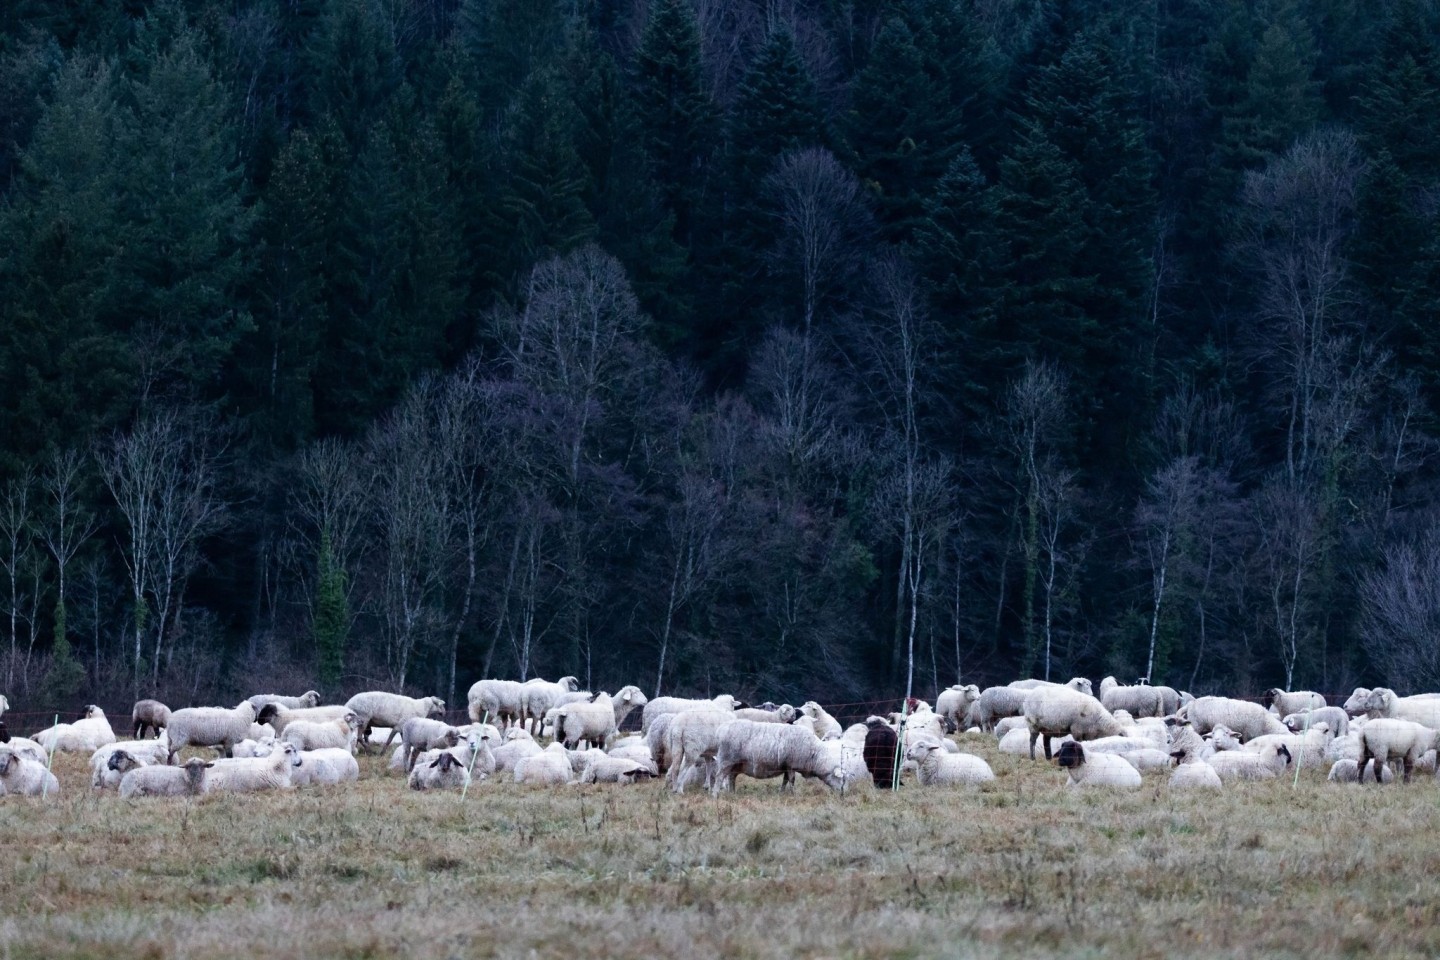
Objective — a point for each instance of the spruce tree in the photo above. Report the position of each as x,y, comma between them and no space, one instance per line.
331,624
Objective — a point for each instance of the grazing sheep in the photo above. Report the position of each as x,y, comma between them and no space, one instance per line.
1088,769
881,745
86,735
501,701
210,727
597,722
550,767
1387,739
1333,717
1140,700
444,772
326,766
1297,701
538,696
848,763
1267,764
1348,771
390,710
249,776
419,734
1056,712
517,746
21,776
826,726
661,706
1247,720
323,735
1192,772
191,780
936,768
149,715
305,701
763,750
954,703
1384,704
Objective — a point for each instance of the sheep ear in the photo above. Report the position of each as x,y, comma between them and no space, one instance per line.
210,764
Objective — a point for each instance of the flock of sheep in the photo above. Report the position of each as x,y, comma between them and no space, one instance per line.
276,742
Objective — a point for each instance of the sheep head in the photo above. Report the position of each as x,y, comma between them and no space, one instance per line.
7,759
120,761
434,706
1071,755
568,684
921,750
310,698
445,762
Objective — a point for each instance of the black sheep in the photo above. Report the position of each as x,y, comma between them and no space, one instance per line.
881,744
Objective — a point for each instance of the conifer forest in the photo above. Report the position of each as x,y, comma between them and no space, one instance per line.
816,348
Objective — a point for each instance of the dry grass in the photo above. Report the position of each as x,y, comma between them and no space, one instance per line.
1022,867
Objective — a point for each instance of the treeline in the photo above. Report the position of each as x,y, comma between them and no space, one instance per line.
776,347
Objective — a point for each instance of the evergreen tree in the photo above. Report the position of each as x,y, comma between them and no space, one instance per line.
331,624
776,110
507,41
355,69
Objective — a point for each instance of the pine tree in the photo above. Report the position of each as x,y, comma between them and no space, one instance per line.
331,624
507,41
355,70
776,110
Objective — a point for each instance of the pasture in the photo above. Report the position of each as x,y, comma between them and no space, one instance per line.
1022,867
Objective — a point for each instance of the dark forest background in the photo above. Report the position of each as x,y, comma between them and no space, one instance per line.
771,346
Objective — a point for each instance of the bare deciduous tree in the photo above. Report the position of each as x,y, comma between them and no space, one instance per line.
19,560
69,524
1400,612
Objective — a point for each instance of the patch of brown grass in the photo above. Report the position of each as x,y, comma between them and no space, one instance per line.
1021,867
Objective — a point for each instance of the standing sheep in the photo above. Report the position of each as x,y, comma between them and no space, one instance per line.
826,726
1057,712
419,734
764,750
1286,703
881,745
148,715
324,735
305,701
997,703
1248,720
663,705
279,716
537,696
501,701
1097,769
1387,739
936,768
596,722
390,710
163,781
209,727
1140,700
1333,717
1382,703
691,740
955,702
22,777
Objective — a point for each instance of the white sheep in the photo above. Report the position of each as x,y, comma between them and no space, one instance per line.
1248,720
305,701
209,727
1333,717
1140,700
781,714
1192,772
500,701
1307,749
4,705
1387,739
763,750
847,762
997,703
937,768
1078,684
24,746
1355,703
390,710
158,780
1087,769
1017,742
116,764
86,735
22,777
607,769
327,766
660,706
597,722
149,715
655,738
691,740
1006,724
337,734
954,703
549,767
443,772
826,726
1266,764
517,746
143,752
537,696
1348,771
419,734
247,748
1055,712
1288,702
1384,704
633,748
249,776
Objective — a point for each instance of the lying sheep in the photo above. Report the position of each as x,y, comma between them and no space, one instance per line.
473,752
113,770
444,772
1007,724
278,716
633,748
1286,703
141,753
1388,739
326,766
1333,717
419,734
191,780
607,769
247,748
517,746
23,746
1192,772
954,703
22,777
1017,742
1267,764
549,767
323,735
390,710
1307,749
937,768
1348,771
763,750
209,727
86,735
1057,712
250,776
661,706
1088,769
149,715
500,701
305,701
1247,720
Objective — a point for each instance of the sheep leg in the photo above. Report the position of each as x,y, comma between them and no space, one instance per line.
1035,735
1047,746
388,740
1409,767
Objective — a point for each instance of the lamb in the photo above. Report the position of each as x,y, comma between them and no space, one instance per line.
390,710
936,768
1054,712
1384,704
497,700
550,767
323,735
1266,764
955,702
691,740
210,727
326,766
444,772
1140,700
1192,772
1334,717
23,777
419,734
763,750
86,735
249,776
1348,771
1248,720
191,780
826,726
517,746
881,745
305,701
1389,739
538,696
149,715
662,705
598,721
1088,769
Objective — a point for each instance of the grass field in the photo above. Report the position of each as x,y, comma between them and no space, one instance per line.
1020,868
